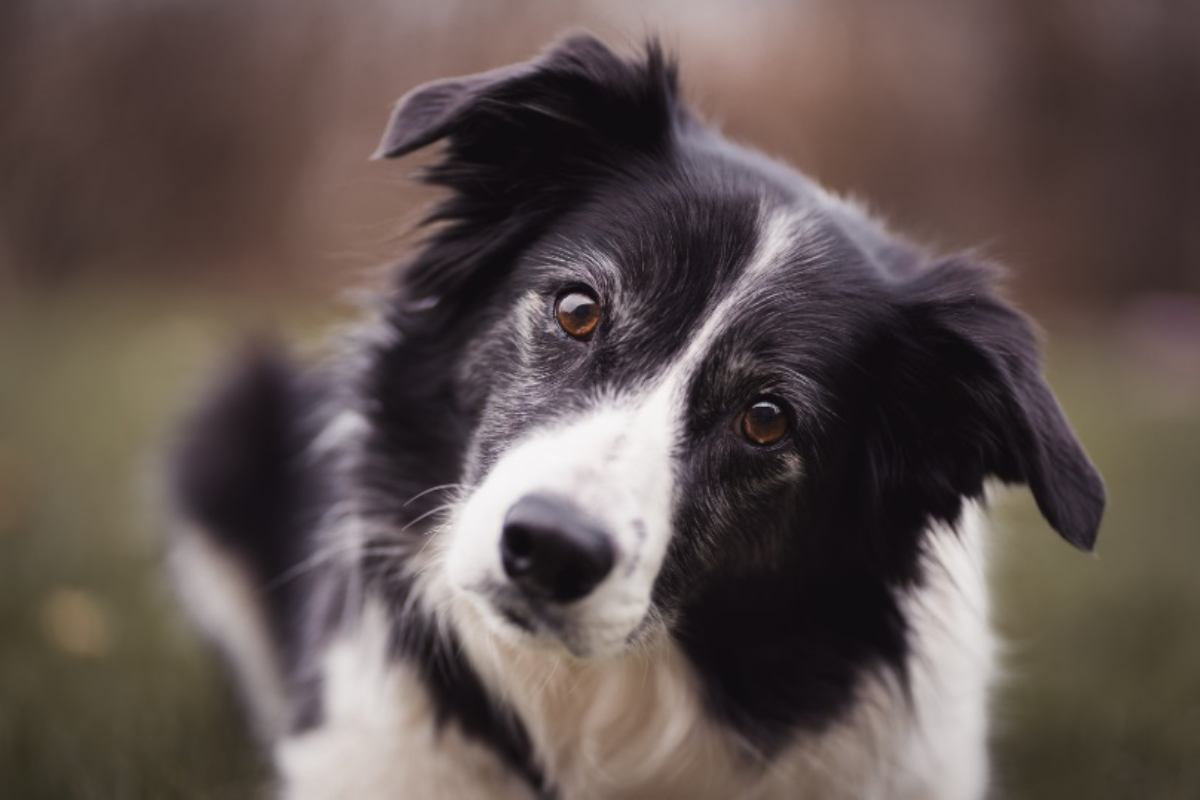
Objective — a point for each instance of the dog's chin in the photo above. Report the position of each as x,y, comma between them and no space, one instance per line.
521,626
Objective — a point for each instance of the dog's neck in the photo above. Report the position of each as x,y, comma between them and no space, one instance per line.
638,724
625,725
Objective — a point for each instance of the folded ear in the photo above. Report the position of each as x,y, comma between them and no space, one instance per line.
579,86
965,384
524,143
430,111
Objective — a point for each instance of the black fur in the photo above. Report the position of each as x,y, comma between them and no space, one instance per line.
908,383
460,696
239,473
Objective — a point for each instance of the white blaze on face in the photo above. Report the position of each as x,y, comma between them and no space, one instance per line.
615,463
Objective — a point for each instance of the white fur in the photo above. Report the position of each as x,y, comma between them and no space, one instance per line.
633,725
222,600
629,726
346,427
377,738
952,666
615,465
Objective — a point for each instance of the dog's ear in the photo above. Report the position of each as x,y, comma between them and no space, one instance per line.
964,399
577,88
525,143
430,111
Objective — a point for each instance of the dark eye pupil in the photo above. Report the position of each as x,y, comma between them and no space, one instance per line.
764,422
578,313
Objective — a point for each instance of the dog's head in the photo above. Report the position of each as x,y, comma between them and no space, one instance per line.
681,386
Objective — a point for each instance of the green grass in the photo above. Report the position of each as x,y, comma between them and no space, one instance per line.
1103,694
124,702
105,692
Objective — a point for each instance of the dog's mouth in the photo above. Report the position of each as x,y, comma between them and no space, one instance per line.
517,618
522,617
527,623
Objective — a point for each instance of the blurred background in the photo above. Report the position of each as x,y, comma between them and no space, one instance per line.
175,173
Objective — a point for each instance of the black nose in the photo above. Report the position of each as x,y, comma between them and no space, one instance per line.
551,551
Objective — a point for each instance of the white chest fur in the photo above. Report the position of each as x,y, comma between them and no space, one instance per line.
634,727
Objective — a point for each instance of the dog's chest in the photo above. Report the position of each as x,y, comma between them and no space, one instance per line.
631,727
637,727
635,730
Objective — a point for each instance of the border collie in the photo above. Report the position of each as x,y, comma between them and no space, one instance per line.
656,472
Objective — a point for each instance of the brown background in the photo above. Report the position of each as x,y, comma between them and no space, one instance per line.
176,172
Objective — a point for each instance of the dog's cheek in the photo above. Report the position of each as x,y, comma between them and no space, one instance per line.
512,411
470,557
490,362
739,513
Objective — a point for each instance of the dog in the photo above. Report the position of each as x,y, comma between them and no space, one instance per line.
656,471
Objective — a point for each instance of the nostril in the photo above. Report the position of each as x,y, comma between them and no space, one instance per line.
551,551
516,550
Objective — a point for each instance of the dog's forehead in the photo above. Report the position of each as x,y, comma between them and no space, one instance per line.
686,257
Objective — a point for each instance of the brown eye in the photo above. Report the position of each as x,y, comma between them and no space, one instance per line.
578,313
764,422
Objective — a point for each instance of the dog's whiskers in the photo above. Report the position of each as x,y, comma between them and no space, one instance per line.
439,488
318,559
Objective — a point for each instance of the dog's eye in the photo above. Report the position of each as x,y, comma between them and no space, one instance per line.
764,422
578,312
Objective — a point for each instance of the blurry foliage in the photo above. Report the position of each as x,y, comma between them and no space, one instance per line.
1101,687
105,690
173,172
230,137
155,135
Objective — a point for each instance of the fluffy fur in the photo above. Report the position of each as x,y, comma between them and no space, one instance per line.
807,618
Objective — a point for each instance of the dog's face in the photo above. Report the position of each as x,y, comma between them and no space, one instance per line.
690,390
645,387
